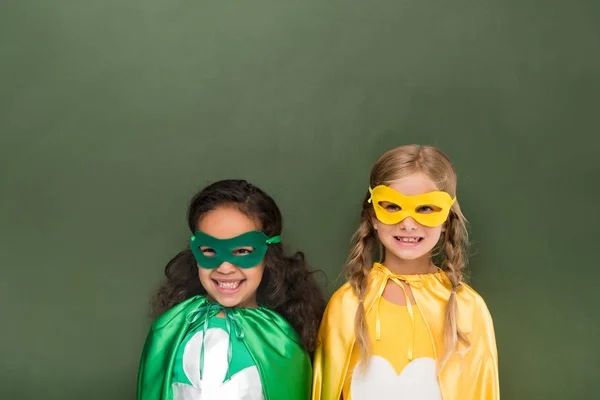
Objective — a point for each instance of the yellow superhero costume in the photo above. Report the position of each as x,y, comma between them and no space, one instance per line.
472,375
389,369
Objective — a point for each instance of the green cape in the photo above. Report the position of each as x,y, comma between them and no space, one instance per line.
284,367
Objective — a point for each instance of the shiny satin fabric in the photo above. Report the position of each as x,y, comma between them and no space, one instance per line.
284,368
474,376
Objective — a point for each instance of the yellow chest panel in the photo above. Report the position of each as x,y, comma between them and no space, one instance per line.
395,336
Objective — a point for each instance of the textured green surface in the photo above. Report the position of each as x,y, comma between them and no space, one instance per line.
112,114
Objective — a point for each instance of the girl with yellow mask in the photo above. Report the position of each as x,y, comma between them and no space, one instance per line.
406,328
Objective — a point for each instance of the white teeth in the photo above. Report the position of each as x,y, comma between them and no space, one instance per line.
228,285
408,240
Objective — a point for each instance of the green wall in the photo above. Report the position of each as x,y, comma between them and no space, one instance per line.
113,113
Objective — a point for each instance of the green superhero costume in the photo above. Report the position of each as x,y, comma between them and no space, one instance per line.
251,353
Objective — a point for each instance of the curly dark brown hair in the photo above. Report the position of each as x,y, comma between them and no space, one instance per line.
288,285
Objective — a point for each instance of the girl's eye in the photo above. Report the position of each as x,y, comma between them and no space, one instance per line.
208,252
390,207
427,209
242,251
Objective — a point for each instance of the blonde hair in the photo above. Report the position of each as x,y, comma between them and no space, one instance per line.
391,166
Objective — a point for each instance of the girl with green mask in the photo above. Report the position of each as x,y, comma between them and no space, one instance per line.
237,318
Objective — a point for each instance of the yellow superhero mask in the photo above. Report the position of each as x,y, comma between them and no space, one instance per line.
429,209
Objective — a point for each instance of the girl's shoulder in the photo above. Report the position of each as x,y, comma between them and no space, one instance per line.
470,298
470,302
179,311
267,318
343,297
340,309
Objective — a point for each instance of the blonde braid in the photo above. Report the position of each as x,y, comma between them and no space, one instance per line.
359,263
455,260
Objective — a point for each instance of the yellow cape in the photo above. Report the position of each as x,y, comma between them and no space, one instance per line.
474,376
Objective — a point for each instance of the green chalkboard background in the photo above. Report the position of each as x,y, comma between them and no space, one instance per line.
114,112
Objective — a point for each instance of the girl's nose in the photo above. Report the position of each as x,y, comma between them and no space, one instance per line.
226,268
408,224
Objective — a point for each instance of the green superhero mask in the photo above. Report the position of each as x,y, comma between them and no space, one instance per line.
228,250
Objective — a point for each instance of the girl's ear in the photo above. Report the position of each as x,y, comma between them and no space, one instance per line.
444,226
374,222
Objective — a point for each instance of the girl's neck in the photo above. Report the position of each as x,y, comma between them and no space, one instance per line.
417,266
249,303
